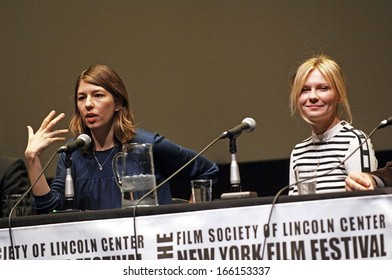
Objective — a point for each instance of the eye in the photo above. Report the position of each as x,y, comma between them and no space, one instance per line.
324,87
99,95
305,89
81,97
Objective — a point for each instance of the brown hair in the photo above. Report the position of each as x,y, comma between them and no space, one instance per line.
104,76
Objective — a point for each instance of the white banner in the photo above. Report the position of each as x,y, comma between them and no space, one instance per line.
331,229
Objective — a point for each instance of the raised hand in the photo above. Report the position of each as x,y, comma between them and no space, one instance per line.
45,135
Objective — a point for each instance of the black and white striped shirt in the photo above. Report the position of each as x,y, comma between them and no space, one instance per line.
326,151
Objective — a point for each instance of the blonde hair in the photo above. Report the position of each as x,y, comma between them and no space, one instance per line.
104,76
332,73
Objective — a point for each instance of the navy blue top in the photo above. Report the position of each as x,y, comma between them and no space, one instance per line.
97,189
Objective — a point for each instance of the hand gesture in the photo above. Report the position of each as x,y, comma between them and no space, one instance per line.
44,136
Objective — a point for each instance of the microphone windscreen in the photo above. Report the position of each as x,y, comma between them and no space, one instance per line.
385,123
251,122
86,139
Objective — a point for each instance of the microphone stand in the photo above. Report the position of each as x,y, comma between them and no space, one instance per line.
69,191
235,181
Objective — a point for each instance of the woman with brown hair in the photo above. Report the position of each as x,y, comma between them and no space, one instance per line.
102,112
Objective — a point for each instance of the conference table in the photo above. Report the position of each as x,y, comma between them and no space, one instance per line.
333,226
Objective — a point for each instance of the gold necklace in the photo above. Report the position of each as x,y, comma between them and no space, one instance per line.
100,166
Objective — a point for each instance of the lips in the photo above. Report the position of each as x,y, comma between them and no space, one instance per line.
91,118
313,106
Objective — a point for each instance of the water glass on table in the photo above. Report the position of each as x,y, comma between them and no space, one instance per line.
201,190
306,178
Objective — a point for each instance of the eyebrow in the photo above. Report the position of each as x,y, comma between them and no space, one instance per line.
317,84
94,91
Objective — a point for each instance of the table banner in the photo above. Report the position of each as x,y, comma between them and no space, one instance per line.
331,229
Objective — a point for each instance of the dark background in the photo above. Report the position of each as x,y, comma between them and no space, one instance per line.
194,69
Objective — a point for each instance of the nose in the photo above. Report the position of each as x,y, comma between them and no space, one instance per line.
313,97
89,102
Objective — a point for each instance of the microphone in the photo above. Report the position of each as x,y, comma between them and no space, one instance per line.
385,123
247,125
83,141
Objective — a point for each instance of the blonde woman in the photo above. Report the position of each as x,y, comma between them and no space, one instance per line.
319,96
